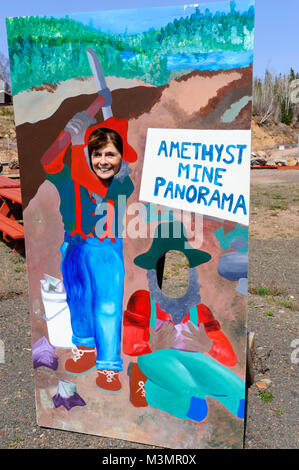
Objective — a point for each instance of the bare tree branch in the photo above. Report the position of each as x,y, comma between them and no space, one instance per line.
5,72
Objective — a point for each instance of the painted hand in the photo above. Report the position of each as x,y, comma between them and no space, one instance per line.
78,125
164,338
196,339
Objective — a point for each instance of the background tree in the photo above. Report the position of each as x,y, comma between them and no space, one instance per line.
272,98
5,72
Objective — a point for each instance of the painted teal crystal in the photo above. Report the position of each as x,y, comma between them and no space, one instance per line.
226,241
152,216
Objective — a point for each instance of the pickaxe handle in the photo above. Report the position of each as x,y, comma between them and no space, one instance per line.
65,138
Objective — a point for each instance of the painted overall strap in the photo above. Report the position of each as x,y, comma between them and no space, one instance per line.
194,315
153,319
78,212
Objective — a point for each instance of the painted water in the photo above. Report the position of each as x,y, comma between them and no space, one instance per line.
215,60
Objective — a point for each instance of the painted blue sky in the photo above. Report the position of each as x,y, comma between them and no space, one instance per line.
276,25
138,20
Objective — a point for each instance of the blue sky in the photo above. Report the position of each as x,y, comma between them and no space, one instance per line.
276,27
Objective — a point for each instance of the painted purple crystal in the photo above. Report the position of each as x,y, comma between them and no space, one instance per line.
67,395
43,354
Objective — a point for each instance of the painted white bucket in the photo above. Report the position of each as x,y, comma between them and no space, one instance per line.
57,316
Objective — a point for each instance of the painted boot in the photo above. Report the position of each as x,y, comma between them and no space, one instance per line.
84,360
108,381
137,383
198,409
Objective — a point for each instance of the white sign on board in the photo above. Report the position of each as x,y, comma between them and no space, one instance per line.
201,171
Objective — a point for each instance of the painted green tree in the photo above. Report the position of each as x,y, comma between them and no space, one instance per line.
50,50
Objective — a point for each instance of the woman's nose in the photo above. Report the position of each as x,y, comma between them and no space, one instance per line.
103,159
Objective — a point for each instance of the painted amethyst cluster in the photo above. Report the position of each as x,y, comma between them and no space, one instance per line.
43,354
67,395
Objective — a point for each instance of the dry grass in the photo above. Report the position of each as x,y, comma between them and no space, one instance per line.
274,211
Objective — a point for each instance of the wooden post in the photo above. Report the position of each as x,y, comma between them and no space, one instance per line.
249,359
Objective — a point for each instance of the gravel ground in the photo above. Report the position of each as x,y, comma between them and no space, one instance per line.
272,405
272,419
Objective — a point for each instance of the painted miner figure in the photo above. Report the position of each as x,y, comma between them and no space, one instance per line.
182,354
92,253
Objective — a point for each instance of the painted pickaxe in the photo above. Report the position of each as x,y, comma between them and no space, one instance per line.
103,101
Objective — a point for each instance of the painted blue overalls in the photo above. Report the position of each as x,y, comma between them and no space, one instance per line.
93,270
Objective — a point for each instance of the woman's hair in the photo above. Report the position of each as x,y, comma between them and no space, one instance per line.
101,137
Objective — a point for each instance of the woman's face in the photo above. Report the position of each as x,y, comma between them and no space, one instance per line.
106,161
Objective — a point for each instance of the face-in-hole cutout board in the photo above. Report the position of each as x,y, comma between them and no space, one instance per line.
133,132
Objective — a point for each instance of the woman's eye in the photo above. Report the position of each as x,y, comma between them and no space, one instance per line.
97,155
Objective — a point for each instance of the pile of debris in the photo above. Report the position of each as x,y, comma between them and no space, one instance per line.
11,166
14,164
275,158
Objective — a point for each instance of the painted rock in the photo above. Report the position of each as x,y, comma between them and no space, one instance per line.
233,266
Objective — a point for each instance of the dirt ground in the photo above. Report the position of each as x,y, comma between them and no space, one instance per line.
274,206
